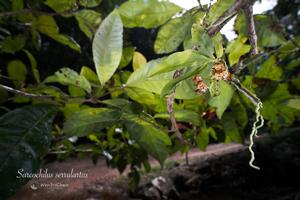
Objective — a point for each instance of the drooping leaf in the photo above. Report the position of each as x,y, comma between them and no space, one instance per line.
12,44
223,99
88,21
270,70
66,40
138,60
172,34
127,56
25,136
67,76
107,46
202,139
187,116
17,71
33,63
218,42
147,14
152,139
90,120
236,49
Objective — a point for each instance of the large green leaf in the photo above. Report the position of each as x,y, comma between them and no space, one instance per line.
107,46
236,49
218,9
25,136
12,44
88,21
294,103
67,76
172,34
157,73
90,120
222,101
17,71
147,14
202,40
152,139
269,70
62,6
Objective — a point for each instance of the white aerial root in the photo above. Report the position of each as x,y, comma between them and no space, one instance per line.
259,118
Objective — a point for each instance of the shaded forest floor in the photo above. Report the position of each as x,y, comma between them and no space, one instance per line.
220,173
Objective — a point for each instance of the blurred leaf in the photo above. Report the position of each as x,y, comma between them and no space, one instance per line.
152,139
202,139
17,5
217,9
66,40
294,103
186,90
17,71
13,44
222,101
90,3
75,91
138,60
62,6
88,21
147,14
187,116
231,129
67,76
25,135
269,70
172,34
90,75
236,49
107,46
218,42
33,64
127,56
89,120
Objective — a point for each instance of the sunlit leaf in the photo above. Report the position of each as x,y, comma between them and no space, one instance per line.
88,21
138,60
236,49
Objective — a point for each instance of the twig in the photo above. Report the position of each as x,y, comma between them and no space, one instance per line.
225,17
26,94
251,29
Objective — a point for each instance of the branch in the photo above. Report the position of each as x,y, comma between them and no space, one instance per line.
19,92
170,108
225,17
251,29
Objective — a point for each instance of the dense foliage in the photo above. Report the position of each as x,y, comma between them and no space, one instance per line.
101,96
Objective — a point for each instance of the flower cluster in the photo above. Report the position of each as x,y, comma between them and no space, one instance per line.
200,85
220,72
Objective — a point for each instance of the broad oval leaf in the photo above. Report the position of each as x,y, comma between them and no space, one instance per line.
17,71
172,34
89,120
138,60
88,21
25,136
107,46
67,76
152,139
147,14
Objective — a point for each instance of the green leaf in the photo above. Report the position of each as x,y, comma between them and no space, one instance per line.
33,64
202,139
88,21
66,40
25,136
294,103
231,129
222,101
236,49
127,56
202,41
182,116
138,60
269,70
152,139
107,46
147,14
62,6
267,34
90,75
218,9
186,90
89,120
67,76
172,34
218,42
17,5
13,44
90,3
17,71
